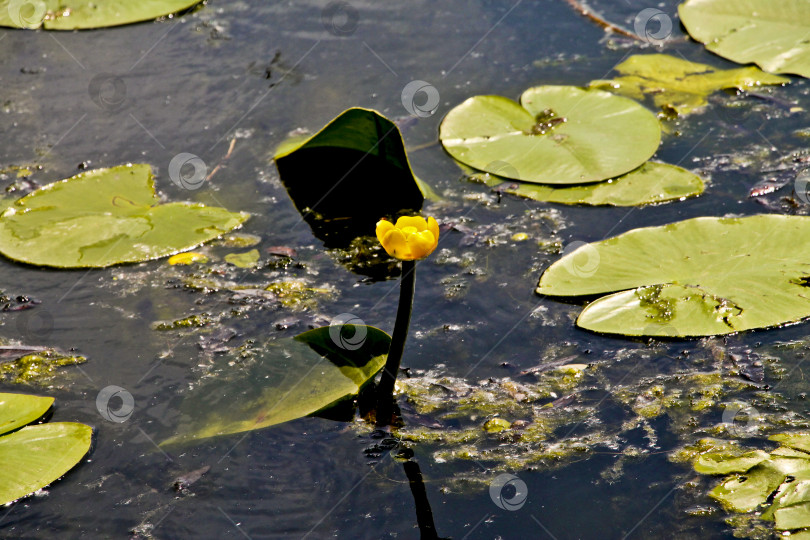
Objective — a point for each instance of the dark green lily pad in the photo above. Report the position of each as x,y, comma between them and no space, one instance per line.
349,174
294,378
771,34
678,85
698,277
556,135
85,14
104,217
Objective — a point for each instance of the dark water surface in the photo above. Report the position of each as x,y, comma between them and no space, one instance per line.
255,71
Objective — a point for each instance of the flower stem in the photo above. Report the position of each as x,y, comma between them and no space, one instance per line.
385,390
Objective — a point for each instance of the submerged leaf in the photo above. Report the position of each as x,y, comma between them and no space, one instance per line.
697,277
85,14
678,85
771,34
295,378
248,259
556,135
104,217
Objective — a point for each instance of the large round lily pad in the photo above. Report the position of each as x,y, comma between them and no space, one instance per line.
104,217
556,135
773,34
698,277
85,14
35,456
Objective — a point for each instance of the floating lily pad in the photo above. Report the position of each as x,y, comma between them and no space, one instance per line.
649,184
729,462
17,410
35,456
771,34
104,217
698,277
248,259
556,135
775,484
295,378
678,85
85,14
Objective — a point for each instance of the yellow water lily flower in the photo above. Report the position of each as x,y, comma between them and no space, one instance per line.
410,239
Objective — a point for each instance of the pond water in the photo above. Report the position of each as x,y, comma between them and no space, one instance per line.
252,72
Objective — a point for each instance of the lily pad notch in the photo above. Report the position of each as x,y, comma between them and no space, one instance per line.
555,135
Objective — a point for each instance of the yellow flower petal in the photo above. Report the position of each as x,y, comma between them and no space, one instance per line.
411,238
190,257
383,226
412,221
395,245
422,244
433,227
